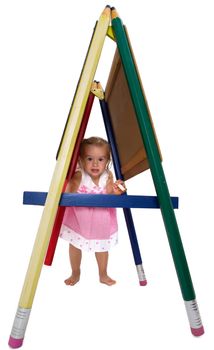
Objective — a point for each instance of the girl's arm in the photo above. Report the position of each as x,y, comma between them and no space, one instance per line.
74,182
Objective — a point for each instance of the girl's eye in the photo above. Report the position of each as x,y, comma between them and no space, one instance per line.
101,159
89,159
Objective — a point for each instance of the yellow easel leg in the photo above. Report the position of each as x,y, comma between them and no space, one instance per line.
50,209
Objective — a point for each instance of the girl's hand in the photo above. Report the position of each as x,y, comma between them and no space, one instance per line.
119,187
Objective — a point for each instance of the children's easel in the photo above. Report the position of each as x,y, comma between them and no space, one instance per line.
124,108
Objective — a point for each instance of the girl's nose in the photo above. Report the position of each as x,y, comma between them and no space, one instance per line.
95,162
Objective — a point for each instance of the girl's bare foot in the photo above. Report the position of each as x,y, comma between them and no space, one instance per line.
107,280
73,279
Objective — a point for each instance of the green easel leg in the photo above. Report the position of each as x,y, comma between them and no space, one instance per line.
158,176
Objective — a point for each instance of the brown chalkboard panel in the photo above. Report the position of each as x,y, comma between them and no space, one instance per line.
129,142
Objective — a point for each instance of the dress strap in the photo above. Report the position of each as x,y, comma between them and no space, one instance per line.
103,179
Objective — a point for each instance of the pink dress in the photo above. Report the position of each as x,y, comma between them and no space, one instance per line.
87,228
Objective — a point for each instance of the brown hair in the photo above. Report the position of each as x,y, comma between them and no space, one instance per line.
95,141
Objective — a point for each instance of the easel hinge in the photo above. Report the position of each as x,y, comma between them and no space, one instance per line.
110,33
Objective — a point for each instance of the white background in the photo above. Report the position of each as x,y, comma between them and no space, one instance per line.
43,46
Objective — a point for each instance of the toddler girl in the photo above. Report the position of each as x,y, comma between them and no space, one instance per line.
87,228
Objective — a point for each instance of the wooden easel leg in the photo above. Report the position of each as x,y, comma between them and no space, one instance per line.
147,133
127,211
61,210
57,182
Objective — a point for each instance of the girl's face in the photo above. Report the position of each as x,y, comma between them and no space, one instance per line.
94,160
